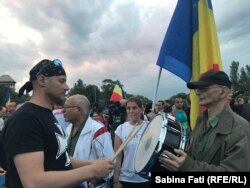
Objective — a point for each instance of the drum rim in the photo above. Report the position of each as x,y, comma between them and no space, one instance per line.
163,133
156,146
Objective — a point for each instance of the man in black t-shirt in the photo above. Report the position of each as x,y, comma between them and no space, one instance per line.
35,144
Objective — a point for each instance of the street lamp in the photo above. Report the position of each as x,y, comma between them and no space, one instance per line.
95,90
95,93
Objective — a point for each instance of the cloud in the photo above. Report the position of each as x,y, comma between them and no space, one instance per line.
232,20
113,39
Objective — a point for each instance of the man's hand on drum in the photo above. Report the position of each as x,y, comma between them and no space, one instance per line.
172,161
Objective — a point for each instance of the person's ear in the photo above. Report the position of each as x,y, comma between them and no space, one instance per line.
223,92
41,80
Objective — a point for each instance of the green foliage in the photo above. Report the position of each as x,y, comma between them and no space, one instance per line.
79,88
99,95
144,100
19,100
240,80
182,95
107,88
234,75
2,95
92,92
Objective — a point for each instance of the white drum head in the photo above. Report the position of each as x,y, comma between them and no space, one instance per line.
148,143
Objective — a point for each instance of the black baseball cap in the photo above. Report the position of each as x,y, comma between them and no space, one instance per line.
210,78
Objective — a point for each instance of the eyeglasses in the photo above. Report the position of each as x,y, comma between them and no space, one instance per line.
66,107
56,63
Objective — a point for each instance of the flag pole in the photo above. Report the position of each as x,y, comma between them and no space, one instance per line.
156,89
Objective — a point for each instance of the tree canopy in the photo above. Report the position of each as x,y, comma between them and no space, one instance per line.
240,78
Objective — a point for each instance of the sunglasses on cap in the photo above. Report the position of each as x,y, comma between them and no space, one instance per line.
56,63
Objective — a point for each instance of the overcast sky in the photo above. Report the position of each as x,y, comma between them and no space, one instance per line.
114,39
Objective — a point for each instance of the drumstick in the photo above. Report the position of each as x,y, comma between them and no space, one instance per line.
128,139
125,143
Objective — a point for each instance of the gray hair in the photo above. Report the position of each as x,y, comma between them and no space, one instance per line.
83,103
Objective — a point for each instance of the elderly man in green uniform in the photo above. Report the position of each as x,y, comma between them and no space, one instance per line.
220,140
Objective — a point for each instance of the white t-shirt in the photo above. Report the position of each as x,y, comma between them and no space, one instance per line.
127,172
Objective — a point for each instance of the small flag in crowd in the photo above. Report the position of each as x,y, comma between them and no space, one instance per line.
7,96
117,94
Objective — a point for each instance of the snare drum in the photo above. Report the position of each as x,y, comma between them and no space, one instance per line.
162,133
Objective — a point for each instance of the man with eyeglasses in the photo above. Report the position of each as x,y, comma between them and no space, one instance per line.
87,138
220,140
35,144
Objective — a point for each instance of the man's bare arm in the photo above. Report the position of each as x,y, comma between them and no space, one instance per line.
31,171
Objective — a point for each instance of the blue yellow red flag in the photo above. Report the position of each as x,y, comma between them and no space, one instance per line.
7,96
191,47
117,93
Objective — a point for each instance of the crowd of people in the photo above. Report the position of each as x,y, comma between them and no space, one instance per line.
53,141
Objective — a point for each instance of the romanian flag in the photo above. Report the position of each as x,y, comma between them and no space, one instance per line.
7,96
117,94
190,47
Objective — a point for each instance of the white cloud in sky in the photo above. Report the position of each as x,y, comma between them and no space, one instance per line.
113,39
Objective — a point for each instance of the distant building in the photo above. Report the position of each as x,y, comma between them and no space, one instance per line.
7,81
